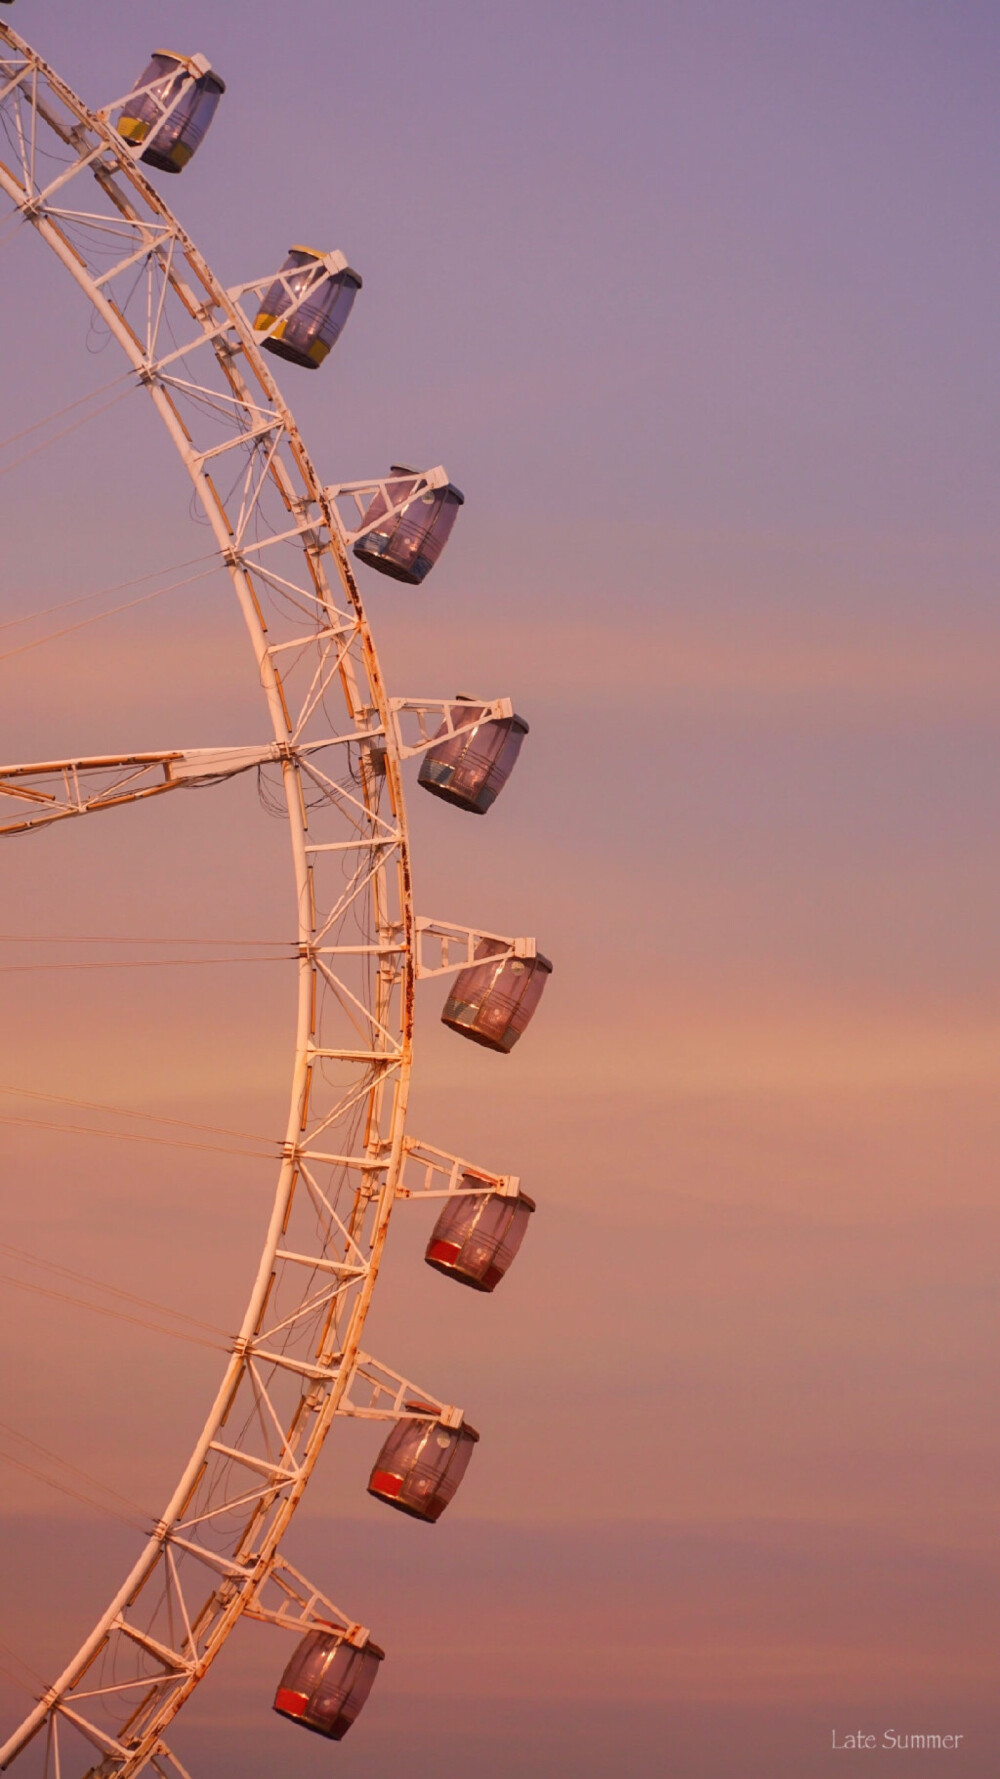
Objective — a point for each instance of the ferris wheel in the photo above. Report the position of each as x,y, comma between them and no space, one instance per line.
205,356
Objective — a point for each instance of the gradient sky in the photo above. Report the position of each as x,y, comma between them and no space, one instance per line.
697,303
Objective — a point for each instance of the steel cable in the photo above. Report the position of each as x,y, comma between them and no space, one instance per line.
67,1272
128,1136
74,1494
62,1099
72,427
129,605
117,587
146,963
64,1463
15,437
104,1309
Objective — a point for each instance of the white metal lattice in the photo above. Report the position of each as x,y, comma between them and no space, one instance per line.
336,741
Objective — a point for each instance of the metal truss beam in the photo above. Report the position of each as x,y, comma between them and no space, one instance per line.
443,711
387,1392
193,352
442,1175
360,495
285,1598
457,946
55,789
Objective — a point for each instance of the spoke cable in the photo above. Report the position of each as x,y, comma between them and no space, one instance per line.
117,939
64,1464
118,587
102,389
129,605
74,1494
39,1679
67,1272
128,1136
62,1099
147,963
66,430
106,1309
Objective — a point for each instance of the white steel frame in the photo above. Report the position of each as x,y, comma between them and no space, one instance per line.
296,1363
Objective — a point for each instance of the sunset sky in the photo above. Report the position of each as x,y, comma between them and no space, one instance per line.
696,300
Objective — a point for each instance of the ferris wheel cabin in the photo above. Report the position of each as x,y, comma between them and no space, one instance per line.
406,526
477,1236
326,1683
471,769
304,311
421,1465
407,543
493,1001
171,108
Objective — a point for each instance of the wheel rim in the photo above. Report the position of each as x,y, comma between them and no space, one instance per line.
214,1551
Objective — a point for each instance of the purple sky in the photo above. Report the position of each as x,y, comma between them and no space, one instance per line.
697,303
